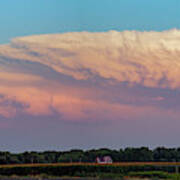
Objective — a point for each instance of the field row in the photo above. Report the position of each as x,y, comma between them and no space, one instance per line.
94,164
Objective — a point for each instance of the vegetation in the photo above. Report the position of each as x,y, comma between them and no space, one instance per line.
129,162
151,174
155,175
94,171
143,154
82,169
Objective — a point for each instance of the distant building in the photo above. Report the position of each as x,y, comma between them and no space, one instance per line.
104,160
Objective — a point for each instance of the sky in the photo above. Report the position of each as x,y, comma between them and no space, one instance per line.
89,74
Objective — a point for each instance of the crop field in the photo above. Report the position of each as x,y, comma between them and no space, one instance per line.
161,170
94,164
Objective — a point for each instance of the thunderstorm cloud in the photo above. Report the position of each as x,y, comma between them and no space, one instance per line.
83,76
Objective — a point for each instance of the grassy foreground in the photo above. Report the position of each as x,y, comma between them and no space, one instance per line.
151,175
122,171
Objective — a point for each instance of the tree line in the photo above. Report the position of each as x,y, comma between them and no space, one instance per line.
141,154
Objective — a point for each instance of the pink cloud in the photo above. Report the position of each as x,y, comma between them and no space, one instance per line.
94,65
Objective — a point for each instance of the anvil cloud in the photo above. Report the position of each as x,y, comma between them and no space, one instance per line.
83,76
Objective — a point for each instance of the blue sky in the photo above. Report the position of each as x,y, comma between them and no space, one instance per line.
20,17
